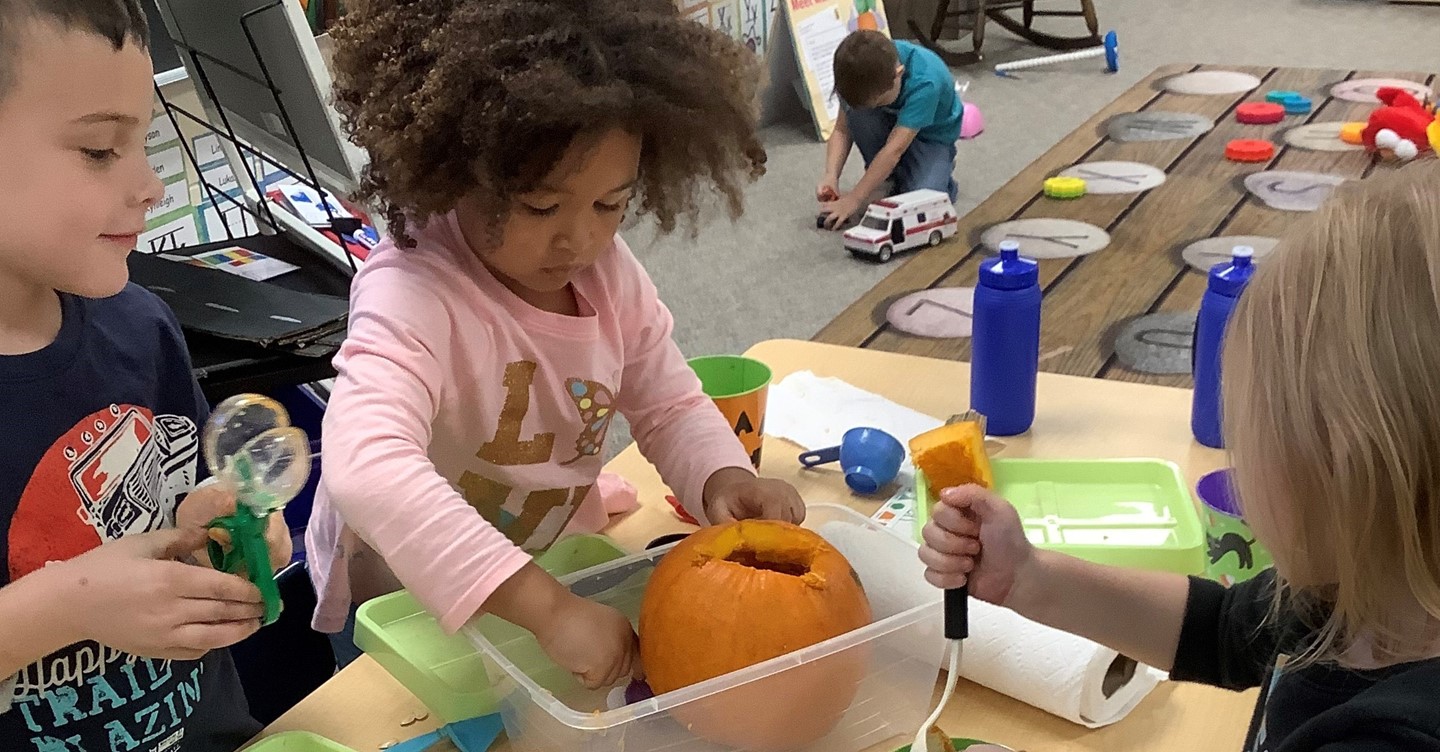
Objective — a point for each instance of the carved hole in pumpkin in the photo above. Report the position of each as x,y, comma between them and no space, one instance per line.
784,562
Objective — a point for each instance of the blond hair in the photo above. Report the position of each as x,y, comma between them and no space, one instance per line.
1332,414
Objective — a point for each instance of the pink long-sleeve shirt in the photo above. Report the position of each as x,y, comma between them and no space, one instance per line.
467,426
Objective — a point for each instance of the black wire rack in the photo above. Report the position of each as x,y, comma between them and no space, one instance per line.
263,211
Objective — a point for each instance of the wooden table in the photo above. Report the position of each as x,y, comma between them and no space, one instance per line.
1088,299
363,707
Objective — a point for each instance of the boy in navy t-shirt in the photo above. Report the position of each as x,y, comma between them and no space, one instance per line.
899,106
111,637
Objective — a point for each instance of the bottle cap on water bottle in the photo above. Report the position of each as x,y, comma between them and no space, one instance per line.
1229,278
1009,270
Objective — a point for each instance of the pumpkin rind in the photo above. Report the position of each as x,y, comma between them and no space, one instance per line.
734,595
953,455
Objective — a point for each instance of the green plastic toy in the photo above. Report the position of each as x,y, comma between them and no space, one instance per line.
251,447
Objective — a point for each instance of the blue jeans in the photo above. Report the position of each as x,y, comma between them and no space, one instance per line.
343,642
923,165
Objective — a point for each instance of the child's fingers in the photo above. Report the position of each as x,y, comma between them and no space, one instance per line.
963,497
946,563
957,521
195,611
947,542
946,581
277,538
207,637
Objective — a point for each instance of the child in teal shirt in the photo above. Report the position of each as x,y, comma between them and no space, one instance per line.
898,104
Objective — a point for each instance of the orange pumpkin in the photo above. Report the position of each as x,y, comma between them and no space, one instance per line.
734,595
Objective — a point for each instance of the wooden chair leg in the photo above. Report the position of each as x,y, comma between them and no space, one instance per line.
942,9
977,36
931,41
1091,22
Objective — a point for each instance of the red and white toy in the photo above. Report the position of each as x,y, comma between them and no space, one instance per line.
1398,128
901,223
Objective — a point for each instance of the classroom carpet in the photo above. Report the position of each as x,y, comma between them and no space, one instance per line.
772,274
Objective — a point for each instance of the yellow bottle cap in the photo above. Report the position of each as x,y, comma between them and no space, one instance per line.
1064,187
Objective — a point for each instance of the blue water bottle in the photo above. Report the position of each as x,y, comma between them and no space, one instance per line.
1006,341
1227,281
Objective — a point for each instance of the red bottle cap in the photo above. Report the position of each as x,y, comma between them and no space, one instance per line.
1259,113
1249,150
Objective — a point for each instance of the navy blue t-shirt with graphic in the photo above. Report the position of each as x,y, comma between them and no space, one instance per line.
102,441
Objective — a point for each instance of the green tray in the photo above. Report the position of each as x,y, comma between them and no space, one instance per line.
446,671
1134,513
297,741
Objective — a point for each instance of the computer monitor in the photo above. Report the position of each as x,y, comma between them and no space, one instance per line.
293,60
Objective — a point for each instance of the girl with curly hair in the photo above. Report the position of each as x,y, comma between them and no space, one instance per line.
495,333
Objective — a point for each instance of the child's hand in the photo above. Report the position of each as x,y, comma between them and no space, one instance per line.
592,641
975,537
734,493
216,500
839,210
131,594
828,190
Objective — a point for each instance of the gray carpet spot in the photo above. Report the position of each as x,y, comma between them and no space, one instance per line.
941,313
1158,343
1203,254
1291,190
1116,177
1364,89
1047,237
1157,126
1319,137
1211,83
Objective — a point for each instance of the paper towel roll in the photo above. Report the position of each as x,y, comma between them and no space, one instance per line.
1060,673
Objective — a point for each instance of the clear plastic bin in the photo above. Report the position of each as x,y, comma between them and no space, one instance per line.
544,709
445,671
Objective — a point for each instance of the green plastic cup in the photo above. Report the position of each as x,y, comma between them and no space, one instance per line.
739,386
1232,553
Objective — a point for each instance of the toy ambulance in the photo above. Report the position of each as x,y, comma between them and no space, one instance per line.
902,223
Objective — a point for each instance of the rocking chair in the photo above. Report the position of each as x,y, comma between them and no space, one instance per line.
1000,11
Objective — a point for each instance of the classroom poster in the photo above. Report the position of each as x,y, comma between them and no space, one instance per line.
221,219
813,29
725,14
170,224
753,24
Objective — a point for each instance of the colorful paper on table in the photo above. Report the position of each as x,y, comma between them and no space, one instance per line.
241,262
897,514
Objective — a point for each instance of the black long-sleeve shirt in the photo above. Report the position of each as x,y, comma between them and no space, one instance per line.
1226,641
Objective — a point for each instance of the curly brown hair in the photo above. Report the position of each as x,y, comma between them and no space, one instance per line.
454,98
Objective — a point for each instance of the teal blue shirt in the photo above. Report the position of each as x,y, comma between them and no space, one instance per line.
927,103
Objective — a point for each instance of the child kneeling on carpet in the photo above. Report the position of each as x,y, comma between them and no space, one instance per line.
1333,425
494,335
899,106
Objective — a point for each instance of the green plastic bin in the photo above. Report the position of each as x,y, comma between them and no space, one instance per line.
297,741
446,671
1134,513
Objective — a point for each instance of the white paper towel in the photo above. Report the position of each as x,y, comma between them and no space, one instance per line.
816,412
1067,676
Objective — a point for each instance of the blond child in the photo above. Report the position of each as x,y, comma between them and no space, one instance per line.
1333,425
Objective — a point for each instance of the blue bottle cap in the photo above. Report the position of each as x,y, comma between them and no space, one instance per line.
1229,279
1009,270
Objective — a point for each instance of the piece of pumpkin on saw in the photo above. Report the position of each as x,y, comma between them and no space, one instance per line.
734,595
